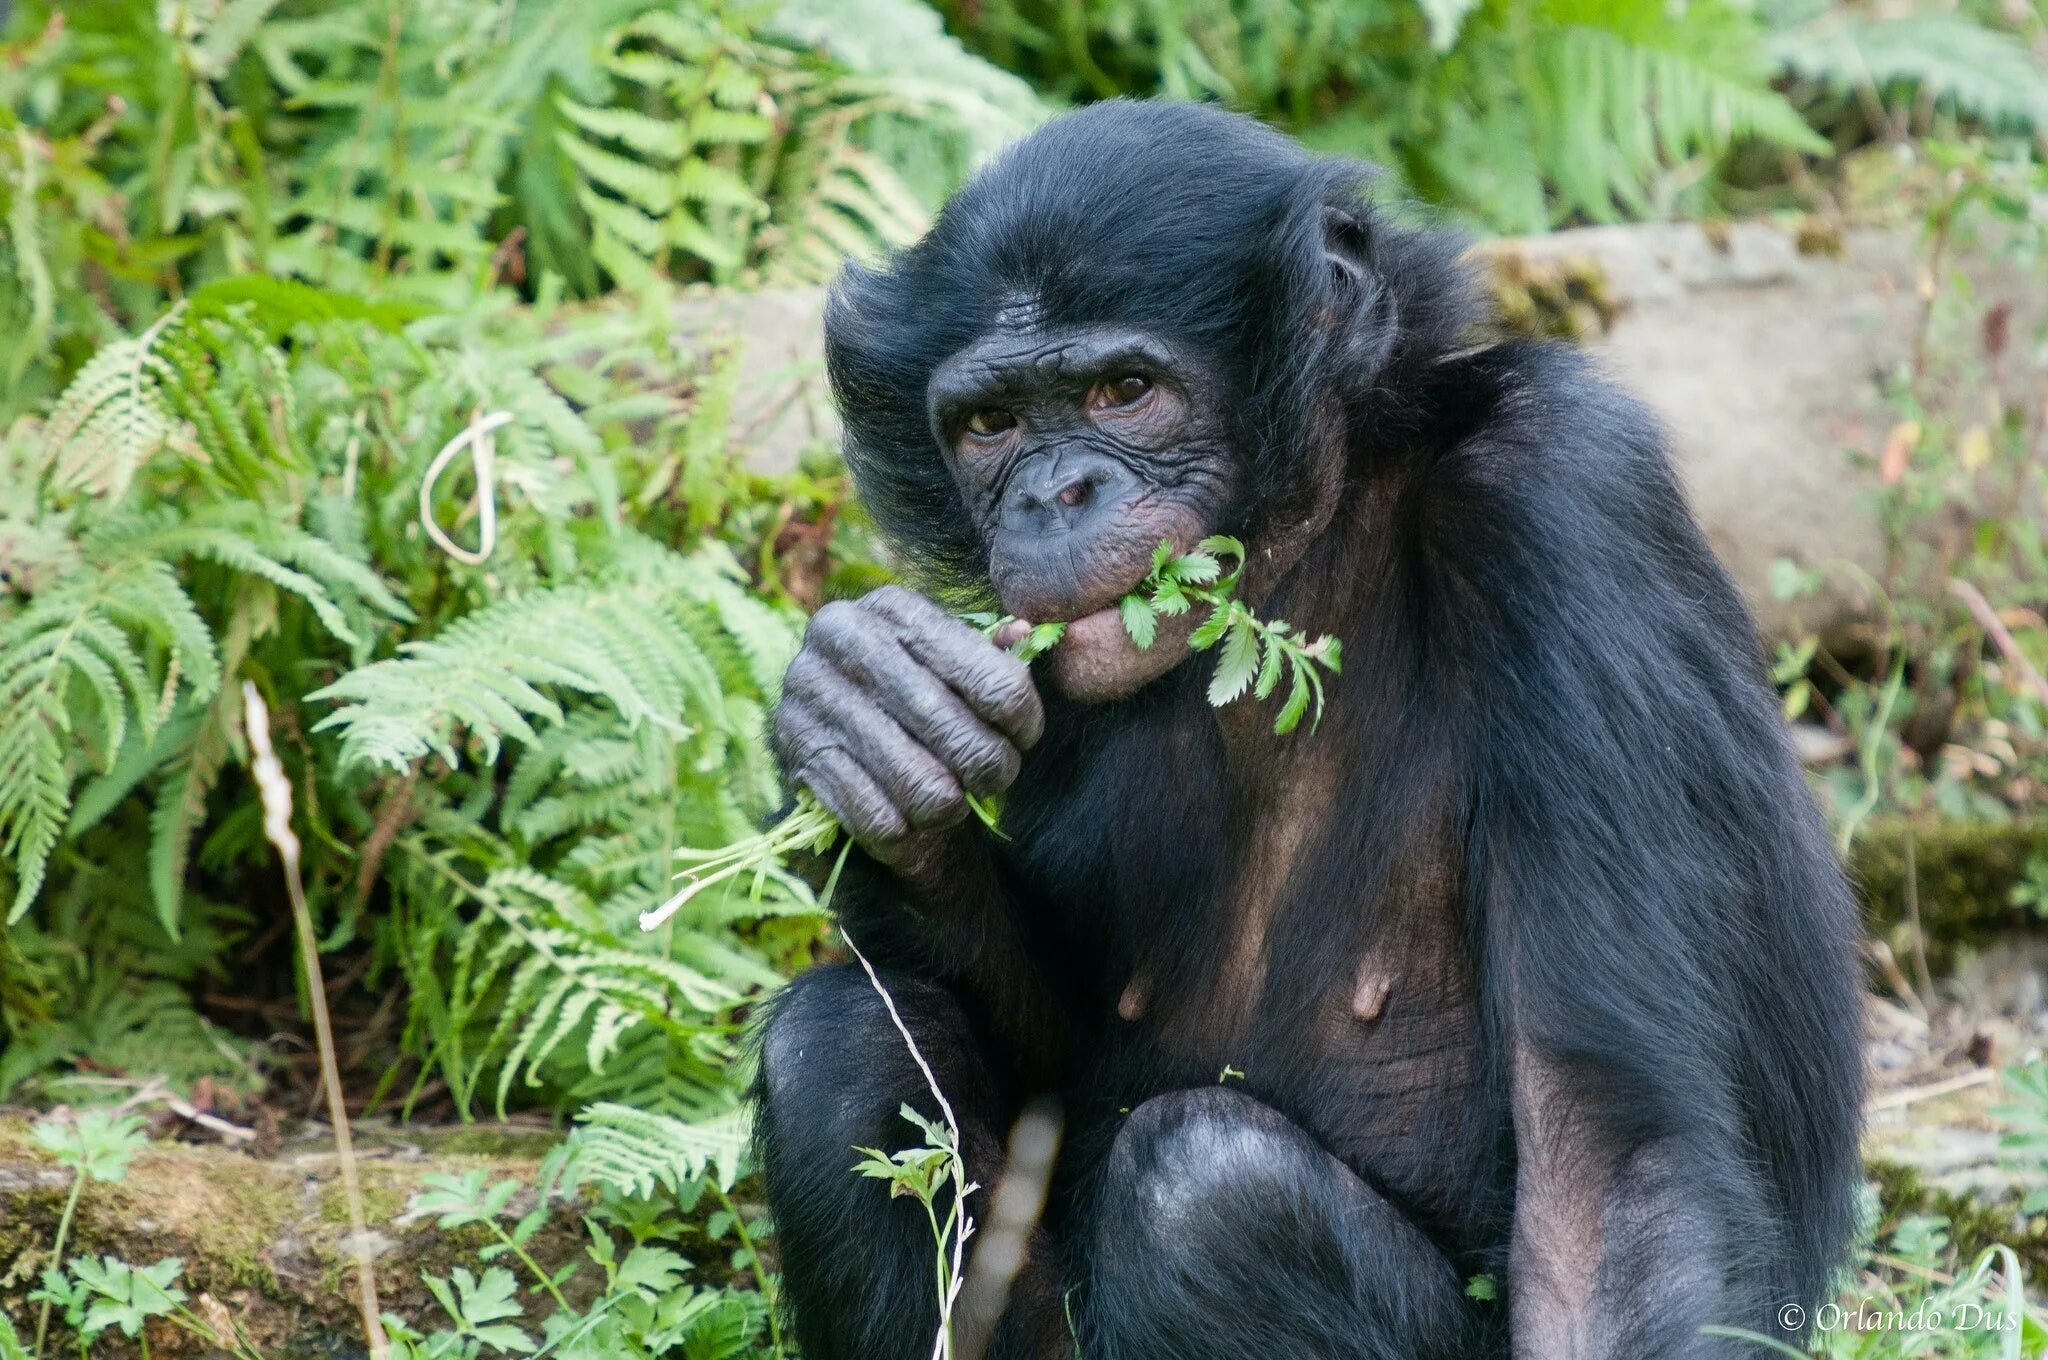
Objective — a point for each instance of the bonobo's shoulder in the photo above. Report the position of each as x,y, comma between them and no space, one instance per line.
1557,487
1533,436
1545,408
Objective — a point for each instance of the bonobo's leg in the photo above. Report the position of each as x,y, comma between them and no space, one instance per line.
857,1265
1224,1232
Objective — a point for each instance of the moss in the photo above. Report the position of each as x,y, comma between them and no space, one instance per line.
1564,298
1976,1223
386,1192
1821,236
265,1240
1965,873
491,1142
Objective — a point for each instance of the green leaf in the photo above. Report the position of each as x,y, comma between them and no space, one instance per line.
1210,631
1298,695
1269,668
1237,663
656,1270
98,1145
1139,620
1042,638
1194,569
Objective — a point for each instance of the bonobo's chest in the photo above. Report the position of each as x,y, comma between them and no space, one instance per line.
1287,936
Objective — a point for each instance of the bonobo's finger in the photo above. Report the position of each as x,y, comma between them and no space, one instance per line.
995,684
796,719
856,800
924,791
924,706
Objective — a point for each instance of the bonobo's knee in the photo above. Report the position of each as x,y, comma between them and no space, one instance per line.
1226,1230
835,1070
1195,1161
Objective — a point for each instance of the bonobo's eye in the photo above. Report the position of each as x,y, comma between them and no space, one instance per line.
990,421
1128,390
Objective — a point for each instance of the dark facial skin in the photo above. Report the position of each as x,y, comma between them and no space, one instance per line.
1077,452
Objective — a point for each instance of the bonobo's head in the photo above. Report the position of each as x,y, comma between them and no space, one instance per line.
1143,322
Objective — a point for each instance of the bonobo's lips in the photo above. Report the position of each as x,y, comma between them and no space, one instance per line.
1096,659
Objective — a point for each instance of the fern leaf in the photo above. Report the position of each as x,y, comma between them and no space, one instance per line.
179,811
635,1152
110,420
649,136
651,191
76,641
1985,74
35,791
490,672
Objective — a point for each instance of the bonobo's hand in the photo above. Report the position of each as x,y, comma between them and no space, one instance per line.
895,710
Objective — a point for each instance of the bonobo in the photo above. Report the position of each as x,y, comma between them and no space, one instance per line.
1532,960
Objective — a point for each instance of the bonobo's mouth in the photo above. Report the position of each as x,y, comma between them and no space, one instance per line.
1096,659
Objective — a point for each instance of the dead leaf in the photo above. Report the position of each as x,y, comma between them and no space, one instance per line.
1898,447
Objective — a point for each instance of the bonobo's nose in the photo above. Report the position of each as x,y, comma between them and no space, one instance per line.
1058,491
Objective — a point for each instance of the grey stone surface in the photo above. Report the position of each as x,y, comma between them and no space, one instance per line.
1766,367
1765,364
781,406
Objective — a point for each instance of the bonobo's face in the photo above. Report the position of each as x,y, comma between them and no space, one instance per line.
1078,451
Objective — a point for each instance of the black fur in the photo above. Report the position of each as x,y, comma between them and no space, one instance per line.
1551,794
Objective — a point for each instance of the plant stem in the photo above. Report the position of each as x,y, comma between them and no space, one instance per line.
762,1279
546,1282
275,794
57,1253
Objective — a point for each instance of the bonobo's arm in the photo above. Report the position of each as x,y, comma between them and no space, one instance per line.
1667,940
892,713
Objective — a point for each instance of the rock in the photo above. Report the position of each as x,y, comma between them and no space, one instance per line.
1765,361
782,405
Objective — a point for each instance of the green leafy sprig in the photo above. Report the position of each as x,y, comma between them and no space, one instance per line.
1255,654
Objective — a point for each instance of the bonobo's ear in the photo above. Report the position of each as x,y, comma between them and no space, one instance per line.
1365,317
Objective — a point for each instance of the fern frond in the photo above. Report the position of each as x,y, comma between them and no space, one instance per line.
539,957
111,419
176,818
1626,88
76,652
1984,74
635,1153
656,137
631,644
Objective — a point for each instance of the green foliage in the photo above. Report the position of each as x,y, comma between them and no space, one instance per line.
634,1152
115,1294
1938,60
519,745
1949,714
642,1303
421,151
1518,114
1252,653
98,1146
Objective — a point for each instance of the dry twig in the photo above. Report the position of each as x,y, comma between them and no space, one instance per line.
275,790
